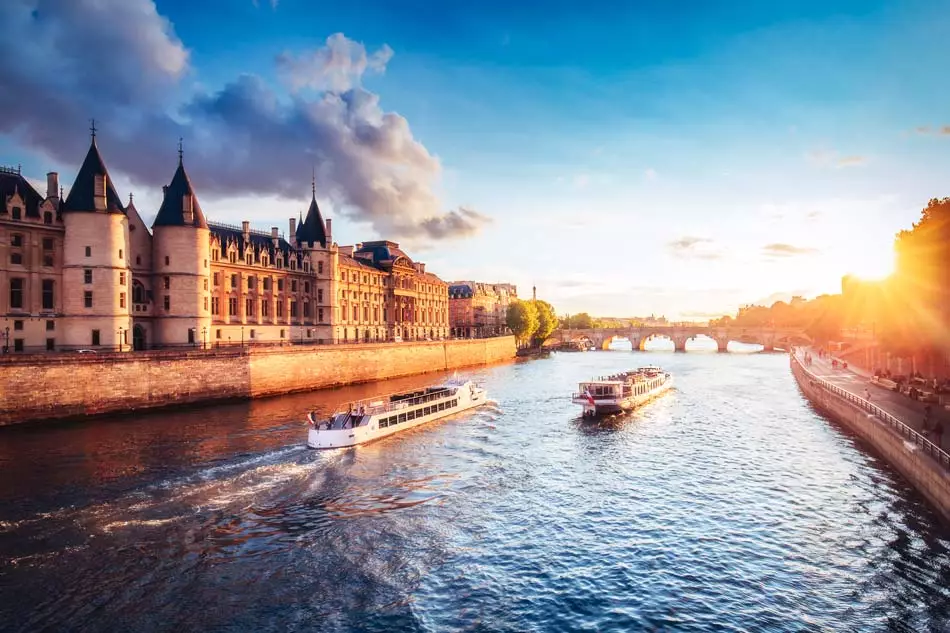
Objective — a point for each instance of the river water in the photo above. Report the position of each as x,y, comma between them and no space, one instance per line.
726,505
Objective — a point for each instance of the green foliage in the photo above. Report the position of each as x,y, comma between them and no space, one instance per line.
547,321
580,321
522,319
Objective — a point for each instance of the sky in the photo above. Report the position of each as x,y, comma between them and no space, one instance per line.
626,158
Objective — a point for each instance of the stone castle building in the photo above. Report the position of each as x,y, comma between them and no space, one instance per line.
84,271
478,309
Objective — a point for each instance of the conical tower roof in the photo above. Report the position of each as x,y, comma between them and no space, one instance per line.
82,195
172,211
313,229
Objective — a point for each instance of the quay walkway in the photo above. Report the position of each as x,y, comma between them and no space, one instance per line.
857,382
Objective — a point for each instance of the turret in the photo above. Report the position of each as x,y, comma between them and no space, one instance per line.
96,276
181,250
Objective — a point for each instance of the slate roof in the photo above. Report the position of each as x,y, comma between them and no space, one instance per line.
313,229
383,250
359,262
260,241
11,181
460,292
172,212
82,193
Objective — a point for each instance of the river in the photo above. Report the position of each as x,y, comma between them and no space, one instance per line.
729,504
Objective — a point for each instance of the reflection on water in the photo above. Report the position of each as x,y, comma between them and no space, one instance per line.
726,504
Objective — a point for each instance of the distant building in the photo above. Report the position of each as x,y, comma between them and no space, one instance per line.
86,272
479,309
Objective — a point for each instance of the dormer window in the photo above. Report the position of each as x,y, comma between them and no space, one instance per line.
47,218
17,211
249,259
293,264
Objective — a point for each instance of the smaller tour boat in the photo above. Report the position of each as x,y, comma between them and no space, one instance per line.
361,422
622,392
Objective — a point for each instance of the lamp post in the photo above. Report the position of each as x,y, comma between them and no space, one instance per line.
242,336
120,339
6,340
204,337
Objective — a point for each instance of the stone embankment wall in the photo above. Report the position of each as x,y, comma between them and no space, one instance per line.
65,385
918,468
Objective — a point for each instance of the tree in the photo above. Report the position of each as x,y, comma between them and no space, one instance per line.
522,319
547,321
581,321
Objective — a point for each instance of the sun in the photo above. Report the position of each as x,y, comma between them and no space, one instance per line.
872,264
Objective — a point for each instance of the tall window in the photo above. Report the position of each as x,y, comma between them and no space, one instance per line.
206,283
168,303
320,315
88,251
265,308
168,282
48,286
87,276
248,307
48,251
215,306
217,279
280,285
121,299
293,285
47,218
306,309
319,268
232,306
250,283
356,313
95,337
306,287
138,292
121,279
280,308
206,301
319,295
87,298
16,293
293,309
234,281
365,313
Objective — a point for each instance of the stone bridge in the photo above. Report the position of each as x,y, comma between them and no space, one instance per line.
768,338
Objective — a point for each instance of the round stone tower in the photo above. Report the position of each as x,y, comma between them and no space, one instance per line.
181,250
97,280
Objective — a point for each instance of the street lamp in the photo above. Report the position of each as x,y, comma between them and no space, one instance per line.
120,339
6,340
204,337
242,336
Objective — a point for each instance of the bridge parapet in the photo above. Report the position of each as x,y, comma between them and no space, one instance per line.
769,338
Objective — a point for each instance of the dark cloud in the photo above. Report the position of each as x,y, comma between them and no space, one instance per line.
786,250
245,138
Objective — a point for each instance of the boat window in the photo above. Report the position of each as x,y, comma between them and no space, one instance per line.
384,423
402,417
428,410
411,415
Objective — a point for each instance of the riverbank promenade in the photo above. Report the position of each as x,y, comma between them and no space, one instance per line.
858,383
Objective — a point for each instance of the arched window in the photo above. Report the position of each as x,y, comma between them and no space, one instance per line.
138,292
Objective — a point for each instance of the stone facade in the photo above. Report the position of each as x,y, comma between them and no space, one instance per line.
86,272
66,385
479,309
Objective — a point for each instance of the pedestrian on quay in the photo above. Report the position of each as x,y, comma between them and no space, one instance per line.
867,395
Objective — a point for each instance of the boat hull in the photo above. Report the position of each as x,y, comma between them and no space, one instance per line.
344,438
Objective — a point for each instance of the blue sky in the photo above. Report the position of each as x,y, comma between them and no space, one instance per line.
627,158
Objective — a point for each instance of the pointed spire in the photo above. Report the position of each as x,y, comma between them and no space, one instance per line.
92,130
85,193
312,230
173,211
130,198
313,183
180,150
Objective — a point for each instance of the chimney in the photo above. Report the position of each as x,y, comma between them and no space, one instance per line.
246,230
275,238
329,232
164,191
52,185
293,232
187,211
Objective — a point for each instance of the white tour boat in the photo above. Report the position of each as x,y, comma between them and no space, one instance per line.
361,422
622,392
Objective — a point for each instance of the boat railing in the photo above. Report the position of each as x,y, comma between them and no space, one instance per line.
358,408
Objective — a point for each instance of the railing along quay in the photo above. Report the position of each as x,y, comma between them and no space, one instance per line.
938,454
